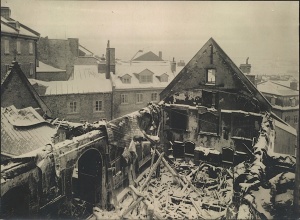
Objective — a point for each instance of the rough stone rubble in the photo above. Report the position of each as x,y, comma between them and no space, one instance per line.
183,190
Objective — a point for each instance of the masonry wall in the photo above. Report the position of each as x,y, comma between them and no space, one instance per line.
285,143
49,76
59,105
18,94
59,53
120,109
24,58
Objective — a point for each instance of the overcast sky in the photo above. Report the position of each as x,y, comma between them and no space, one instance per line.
267,32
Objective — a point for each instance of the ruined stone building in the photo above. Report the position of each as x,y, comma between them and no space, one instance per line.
18,42
210,113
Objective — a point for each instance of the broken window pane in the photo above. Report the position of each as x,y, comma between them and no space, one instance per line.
208,122
178,119
211,76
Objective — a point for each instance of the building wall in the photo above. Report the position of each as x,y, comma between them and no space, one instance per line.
48,76
18,94
59,53
59,105
285,142
289,116
24,58
120,109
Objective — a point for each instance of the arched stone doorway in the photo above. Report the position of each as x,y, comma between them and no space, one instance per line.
87,177
15,203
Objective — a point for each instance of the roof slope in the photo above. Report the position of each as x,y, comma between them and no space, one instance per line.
45,68
23,130
15,69
23,31
228,76
276,89
149,56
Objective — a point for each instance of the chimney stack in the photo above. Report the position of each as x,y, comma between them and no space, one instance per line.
160,54
173,65
246,68
110,60
5,12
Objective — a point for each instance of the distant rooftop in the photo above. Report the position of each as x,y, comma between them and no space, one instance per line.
275,89
149,56
42,68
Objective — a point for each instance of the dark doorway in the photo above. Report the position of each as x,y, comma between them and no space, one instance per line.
15,203
87,177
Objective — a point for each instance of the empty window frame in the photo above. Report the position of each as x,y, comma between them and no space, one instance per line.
295,119
178,119
208,123
243,126
31,69
211,76
73,107
139,98
124,98
98,105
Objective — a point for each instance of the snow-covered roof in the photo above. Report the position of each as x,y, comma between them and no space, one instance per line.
286,83
81,84
134,68
7,28
23,130
275,89
45,68
149,56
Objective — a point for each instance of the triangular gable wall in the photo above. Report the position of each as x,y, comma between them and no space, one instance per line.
228,76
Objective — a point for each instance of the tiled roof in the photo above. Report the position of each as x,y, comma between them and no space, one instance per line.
133,69
275,89
23,31
23,130
84,81
45,68
149,56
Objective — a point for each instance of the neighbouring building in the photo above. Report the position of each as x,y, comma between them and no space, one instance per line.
19,43
86,98
59,53
213,104
139,81
46,72
284,100
16,90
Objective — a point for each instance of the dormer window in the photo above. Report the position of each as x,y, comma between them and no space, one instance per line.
210,77
146,76
163,78
126,79
273,100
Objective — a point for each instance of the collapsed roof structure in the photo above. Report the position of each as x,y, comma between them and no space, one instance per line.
208,150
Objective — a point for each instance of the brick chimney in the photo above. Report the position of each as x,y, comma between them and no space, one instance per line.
293,85
5,12
173,65
160,54
110,61
246,68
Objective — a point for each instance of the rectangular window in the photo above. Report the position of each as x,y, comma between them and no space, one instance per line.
178,119
146,78
30,48
31,69
18,47
209,123
154,96
139,97
295,119
99,106
73,107
164,79
211,77
126,80
287,119
124,98
6,46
